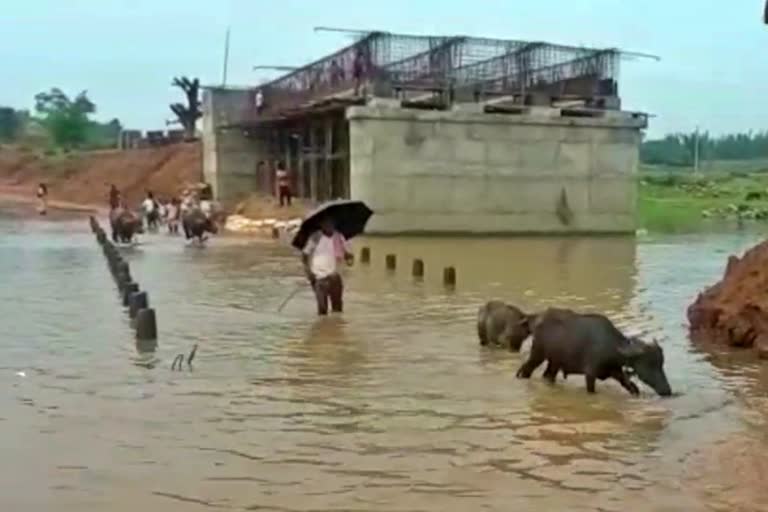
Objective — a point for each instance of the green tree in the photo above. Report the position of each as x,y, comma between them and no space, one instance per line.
103,135
66,120
679,149
10,124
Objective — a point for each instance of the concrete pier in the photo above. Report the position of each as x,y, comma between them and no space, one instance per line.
474,172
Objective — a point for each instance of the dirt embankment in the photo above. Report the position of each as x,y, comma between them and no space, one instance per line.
84,178
734,312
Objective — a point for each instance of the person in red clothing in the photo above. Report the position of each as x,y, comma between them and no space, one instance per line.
283,180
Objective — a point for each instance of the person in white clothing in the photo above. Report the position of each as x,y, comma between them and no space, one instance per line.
151,211
259,101
188,204
206,207
320,257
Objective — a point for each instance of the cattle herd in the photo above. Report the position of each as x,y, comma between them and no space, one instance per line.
195,222
573,343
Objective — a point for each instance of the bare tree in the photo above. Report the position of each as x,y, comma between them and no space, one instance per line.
189,114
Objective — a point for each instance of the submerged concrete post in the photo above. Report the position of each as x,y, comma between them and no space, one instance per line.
137,301
122,269
146,325
449,277
112,262
122,278
128,289
418,268
391,261
365,255
109,248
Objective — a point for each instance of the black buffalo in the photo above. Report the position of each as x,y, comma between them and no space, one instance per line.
196,224
590,345
125,225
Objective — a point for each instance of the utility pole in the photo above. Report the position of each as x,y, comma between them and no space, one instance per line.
696,151
226,59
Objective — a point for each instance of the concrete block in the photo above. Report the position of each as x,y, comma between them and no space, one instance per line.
467,194
506,194
444,129
574,159
416,132
233,186
539,155
574,134
361,143
504,155
392,192
577,195
360,165
616,195
610,135
463,171
430,150
614,159
615,135
468,150
430,194
539,133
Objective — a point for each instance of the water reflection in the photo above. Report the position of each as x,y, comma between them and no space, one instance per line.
537,271
390,406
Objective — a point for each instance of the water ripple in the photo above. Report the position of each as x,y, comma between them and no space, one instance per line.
392,406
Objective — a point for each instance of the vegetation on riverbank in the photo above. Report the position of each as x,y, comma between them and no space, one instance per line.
58,123
675,200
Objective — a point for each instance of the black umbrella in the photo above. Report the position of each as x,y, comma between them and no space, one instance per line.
349,217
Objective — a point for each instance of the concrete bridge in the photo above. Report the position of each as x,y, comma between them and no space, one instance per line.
449,135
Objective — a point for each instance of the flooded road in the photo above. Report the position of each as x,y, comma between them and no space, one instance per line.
391,407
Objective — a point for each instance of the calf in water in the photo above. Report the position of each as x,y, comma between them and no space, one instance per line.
500,324
590,345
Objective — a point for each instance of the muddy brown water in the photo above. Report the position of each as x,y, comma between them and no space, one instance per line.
392,406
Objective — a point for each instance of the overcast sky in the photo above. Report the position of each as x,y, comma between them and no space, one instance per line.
713,70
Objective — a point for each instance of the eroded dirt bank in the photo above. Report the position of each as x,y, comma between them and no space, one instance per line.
84,178
734,311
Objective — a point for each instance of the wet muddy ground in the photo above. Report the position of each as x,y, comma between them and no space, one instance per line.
392,406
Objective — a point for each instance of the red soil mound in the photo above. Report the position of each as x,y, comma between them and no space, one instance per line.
84,178
734,312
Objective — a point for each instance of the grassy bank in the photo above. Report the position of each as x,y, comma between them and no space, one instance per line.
679,200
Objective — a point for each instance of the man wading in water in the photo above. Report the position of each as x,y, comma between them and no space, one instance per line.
324,250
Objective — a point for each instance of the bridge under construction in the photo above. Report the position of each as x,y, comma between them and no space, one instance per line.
393,119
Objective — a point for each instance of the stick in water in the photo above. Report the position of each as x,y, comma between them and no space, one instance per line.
191,356
179,359
289,297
